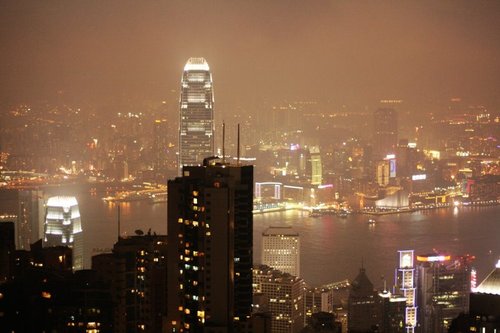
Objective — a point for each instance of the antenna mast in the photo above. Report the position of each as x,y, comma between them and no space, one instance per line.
223,143
238,151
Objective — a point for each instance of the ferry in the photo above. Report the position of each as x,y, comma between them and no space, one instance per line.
371,222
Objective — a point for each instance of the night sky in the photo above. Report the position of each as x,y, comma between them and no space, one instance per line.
344,52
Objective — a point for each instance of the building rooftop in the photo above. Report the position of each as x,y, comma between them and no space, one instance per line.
280,231
491,285
62,201
196,64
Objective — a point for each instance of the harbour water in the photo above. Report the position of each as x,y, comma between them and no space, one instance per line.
332,248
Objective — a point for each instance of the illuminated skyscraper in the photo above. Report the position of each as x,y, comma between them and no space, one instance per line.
281,249
405,285
385,136
63,227
196,122
444,285
210,243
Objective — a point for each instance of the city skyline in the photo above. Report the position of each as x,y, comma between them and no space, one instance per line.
352,54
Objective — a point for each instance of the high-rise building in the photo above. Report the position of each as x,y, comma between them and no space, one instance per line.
385,136
484,309
391,312
160,145
210,241
284,295
137,274
281,249
406,286
63,227
196,122
444,285
361,305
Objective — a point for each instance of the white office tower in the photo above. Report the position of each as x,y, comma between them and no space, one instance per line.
196,122
63,227
405,285
281,249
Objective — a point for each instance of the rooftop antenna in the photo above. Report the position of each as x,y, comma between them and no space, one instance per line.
238,151
223,143
118,209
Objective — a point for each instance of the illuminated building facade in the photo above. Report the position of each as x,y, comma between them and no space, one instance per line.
484,309
63,227
196,122
160,145
391,312
285,298
210,226
138,280
444,285
385,138
281,249
406,286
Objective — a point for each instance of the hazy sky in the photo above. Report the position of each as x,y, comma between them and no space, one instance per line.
259,50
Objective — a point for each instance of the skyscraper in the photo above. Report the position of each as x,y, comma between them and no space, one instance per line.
210,242
196,122
406,286
63,227
385,138
362,306
444,285
281,249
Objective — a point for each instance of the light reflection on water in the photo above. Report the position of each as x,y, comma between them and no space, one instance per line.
332,248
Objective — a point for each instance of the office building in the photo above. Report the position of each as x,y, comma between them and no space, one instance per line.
210,226
484,309
281,249
391,312
385,138
284,295
361,305
443,285
160,146
406,286
196,121
63,227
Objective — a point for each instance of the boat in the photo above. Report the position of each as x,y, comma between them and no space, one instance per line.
371,222
343,213
158,197
314,214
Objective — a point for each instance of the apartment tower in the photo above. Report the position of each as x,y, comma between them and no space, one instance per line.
210,243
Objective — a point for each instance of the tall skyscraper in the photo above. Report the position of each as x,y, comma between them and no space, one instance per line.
385,136
444,285
281,249
210,241
196,122
63,227
406,286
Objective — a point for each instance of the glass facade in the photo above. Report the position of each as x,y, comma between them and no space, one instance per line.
196,123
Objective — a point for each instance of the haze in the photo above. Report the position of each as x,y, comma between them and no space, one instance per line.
344,52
